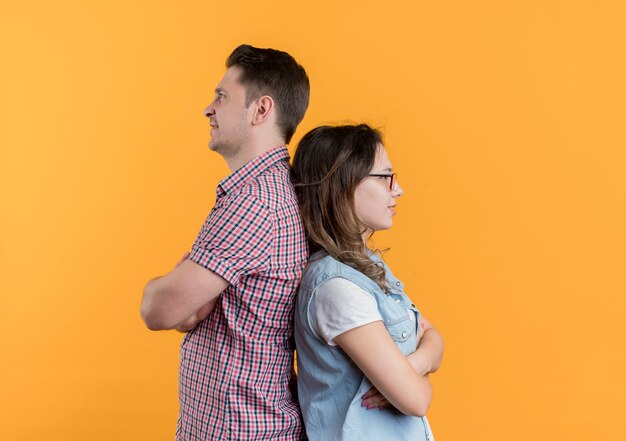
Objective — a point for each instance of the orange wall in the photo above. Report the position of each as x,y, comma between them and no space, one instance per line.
505,122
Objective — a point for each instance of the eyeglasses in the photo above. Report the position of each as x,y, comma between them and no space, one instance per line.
392,178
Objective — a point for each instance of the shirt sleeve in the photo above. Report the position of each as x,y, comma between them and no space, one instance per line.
236,239
341,305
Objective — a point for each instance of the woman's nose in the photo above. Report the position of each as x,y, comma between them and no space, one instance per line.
397,190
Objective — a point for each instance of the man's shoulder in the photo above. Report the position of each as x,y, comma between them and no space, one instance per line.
246,201
273,187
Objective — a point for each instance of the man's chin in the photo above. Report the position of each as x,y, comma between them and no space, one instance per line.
220,147
213,146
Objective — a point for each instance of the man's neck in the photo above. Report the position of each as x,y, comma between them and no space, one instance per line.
248,153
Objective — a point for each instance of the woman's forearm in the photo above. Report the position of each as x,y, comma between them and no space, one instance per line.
429,353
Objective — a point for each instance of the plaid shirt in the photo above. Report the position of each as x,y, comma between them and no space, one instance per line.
235,365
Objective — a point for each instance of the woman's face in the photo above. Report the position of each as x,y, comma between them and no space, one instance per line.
374,201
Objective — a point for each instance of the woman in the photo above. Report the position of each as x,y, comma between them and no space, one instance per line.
364,351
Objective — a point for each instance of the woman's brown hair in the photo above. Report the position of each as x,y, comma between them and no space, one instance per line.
329,163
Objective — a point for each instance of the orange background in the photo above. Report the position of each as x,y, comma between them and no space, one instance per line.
504,120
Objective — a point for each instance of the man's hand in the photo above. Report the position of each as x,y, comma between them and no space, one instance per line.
186,254
197,317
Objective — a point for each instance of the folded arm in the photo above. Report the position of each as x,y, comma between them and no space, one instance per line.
427,357
425,360
181,298
375,353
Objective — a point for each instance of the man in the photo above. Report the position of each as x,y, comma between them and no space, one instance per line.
234,293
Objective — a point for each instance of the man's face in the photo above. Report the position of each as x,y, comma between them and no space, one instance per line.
230,119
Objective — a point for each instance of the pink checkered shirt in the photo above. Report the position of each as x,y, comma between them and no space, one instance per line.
235,365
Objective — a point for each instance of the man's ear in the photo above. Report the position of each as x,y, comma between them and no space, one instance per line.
264,108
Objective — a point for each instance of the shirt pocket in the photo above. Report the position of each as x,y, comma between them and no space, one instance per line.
401,328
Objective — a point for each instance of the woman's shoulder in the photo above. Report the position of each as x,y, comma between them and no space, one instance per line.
323,267
321,264
332,266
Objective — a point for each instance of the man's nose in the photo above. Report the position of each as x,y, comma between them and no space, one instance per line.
209,111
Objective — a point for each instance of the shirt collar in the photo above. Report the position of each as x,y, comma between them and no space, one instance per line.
251,170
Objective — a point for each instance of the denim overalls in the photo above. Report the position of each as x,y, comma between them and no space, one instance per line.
330,385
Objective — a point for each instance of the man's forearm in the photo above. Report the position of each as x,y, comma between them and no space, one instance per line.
181,298
197,317
152,306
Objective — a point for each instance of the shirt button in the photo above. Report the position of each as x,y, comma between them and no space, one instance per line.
404,334
397,283
397,300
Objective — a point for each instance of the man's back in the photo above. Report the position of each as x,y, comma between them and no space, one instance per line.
234,294
235,365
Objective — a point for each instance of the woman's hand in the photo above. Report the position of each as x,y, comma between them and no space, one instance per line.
373,399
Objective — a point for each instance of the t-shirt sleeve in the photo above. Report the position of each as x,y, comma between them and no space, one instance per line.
236,239
341,305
